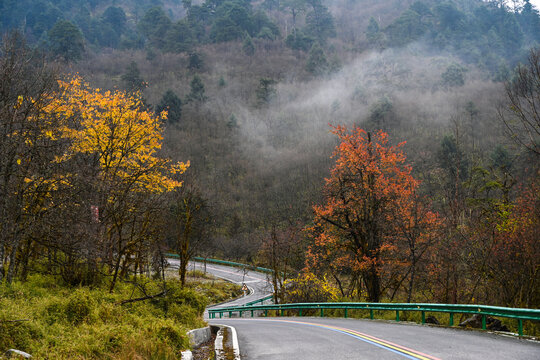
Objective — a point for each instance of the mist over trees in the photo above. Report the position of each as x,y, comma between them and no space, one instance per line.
251,88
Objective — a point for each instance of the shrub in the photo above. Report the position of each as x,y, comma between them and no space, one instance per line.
178,295
308,288
17,335
79,307
300,41
185,314
169,331
53,311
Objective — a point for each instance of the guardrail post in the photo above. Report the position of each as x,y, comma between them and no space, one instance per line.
423,317
240,313
299,312
265,313
371,314
520,327
345,313
483,322
451,322
397,315
230,314
322,312
220,315
251,313
282,312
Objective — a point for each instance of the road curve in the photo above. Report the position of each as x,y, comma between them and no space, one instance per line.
316,338
257,282
331,338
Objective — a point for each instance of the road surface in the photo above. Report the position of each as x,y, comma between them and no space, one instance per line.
315,338
301,338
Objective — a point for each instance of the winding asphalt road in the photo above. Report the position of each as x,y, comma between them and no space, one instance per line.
315,338
257,282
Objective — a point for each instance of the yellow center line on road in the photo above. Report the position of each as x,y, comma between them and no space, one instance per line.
399,349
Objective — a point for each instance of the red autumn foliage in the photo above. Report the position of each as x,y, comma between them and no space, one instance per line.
370,209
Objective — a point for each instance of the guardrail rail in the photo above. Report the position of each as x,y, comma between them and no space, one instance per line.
519,314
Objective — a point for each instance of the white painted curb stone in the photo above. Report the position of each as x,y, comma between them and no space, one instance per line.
218,344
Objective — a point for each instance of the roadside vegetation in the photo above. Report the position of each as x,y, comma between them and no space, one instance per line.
53,320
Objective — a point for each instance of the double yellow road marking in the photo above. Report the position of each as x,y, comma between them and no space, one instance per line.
387,345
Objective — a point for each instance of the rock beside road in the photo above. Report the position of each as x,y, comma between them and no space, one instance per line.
475,321
432,320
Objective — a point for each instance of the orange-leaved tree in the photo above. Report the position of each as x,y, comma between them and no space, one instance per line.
355,228
416,229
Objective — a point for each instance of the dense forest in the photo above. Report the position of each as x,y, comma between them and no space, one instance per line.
422,116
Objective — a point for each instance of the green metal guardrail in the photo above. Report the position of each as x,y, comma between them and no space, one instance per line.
515,313
261,300
224,262
519,314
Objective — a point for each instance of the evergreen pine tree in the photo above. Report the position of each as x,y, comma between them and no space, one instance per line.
317,64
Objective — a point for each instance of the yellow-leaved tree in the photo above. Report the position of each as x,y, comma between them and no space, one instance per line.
113,144
81,179
118,134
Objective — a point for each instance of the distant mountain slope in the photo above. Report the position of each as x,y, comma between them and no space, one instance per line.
485,33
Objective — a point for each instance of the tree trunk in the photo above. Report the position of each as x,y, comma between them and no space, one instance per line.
183,244
136,268
25,259
115,276
340,286
411,282
294,23
275,285
12,262
183,271
124,267
1,262
371,278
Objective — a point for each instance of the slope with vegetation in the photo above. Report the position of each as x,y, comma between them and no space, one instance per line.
53,320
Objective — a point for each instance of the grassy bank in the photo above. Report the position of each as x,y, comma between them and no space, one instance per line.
51,320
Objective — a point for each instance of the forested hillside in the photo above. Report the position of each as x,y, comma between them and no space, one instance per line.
255,94
484,33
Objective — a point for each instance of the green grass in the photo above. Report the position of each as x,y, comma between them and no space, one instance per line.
62,322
